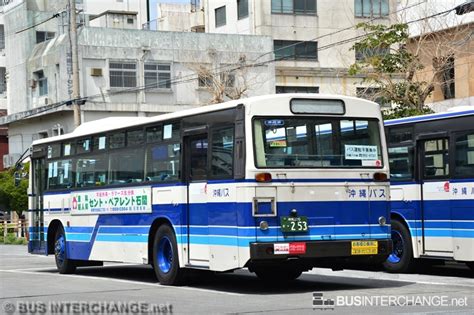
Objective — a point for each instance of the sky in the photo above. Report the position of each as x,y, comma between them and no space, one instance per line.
153,4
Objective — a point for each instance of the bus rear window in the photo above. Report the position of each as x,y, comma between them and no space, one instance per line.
310,142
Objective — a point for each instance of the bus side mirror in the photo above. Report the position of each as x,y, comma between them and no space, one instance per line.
17,178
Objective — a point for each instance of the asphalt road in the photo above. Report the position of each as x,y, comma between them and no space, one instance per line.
28,283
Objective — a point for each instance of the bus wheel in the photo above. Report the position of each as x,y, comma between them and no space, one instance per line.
64,264
401,258
165,257
278,275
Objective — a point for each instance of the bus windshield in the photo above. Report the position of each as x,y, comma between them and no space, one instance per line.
317,142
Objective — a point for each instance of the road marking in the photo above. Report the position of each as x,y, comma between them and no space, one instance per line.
156,285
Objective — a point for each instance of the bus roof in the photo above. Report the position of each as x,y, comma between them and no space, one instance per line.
113,123
463,111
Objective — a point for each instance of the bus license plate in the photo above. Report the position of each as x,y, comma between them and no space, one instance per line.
294,224
364,247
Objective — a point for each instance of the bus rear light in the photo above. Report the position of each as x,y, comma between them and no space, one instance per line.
263,177
380,177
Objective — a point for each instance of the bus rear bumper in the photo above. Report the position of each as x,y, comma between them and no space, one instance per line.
318,250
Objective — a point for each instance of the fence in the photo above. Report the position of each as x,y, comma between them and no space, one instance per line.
19,228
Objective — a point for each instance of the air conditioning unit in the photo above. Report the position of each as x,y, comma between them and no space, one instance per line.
96,72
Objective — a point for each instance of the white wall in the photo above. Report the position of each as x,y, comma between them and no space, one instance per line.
99,6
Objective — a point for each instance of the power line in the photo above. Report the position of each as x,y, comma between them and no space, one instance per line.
35,25
193,77
342,30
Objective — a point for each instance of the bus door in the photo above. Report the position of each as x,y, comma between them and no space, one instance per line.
37,235
195,157
433,152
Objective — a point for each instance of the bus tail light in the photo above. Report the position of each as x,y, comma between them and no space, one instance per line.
380,177
263,177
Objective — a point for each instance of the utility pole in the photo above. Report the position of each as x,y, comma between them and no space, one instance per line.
75,63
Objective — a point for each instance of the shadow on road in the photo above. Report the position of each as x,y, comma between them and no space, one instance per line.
242,281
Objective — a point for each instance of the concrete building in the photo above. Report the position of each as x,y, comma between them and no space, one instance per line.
123,72
447,56
3,87
445,45
319,64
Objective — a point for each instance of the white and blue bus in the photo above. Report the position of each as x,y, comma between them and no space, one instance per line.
275,183
432,188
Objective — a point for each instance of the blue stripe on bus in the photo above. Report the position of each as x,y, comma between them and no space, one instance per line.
79,229
456,233
248,231
427,117
78,237
124,229
457,209
129,238
443,225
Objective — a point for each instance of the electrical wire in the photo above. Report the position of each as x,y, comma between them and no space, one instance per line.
193,77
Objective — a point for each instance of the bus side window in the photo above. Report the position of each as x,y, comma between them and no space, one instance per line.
222,153
91,171
60,174
162,162
126,166
464,166
401,163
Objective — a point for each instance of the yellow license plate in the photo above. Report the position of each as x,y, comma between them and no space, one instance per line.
364,247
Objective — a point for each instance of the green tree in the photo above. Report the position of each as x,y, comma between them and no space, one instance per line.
14,197
386,62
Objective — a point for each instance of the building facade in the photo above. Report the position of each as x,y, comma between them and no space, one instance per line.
447,57
3,87
312,39
123,71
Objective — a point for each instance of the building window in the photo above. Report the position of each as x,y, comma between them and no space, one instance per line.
42,82
123,74
242,9
157,76
362,54
371,8
3,80
43,36
220,16
295,50
208,80
2,37
299,7
447,83
372,94
297,89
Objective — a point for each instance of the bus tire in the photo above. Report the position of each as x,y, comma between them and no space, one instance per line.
165,257
278,275
401,259
64,264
